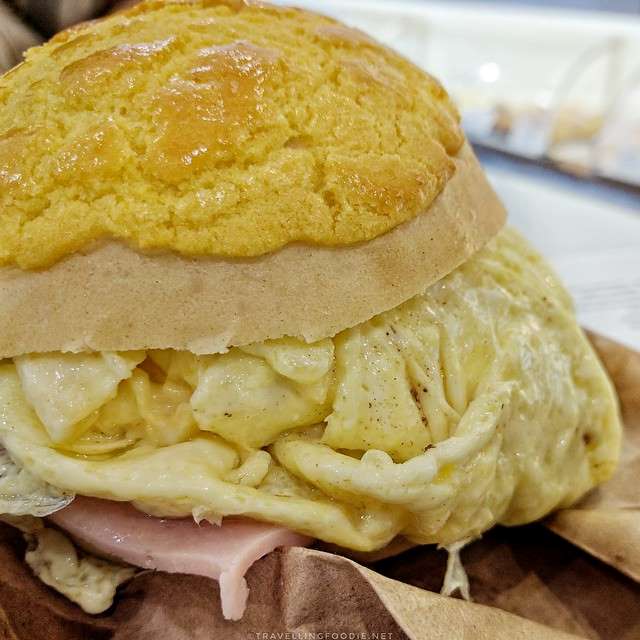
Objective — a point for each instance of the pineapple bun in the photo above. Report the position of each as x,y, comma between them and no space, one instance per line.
204,174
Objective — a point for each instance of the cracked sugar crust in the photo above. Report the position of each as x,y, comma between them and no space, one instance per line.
215,129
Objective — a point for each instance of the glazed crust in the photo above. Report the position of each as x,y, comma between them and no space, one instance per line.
209,128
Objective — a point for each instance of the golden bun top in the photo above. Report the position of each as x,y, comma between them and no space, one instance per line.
113,298
209,128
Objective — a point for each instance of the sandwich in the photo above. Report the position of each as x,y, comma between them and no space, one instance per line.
256,291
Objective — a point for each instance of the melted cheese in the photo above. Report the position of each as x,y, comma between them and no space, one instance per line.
477,402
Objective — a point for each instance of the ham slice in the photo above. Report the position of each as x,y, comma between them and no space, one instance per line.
224,553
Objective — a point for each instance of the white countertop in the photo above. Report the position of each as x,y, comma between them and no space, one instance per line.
591,235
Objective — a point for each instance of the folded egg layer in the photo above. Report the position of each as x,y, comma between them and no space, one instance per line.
477,402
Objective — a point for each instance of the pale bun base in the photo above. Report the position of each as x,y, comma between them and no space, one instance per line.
114,298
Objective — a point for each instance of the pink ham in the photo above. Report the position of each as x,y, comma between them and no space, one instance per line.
224,553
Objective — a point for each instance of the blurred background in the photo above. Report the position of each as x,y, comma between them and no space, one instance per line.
549,93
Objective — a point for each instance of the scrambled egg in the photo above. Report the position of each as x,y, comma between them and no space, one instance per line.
477,402
85,580
24,500
24,494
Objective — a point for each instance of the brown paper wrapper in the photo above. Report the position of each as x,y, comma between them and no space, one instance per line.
607,523
527,582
